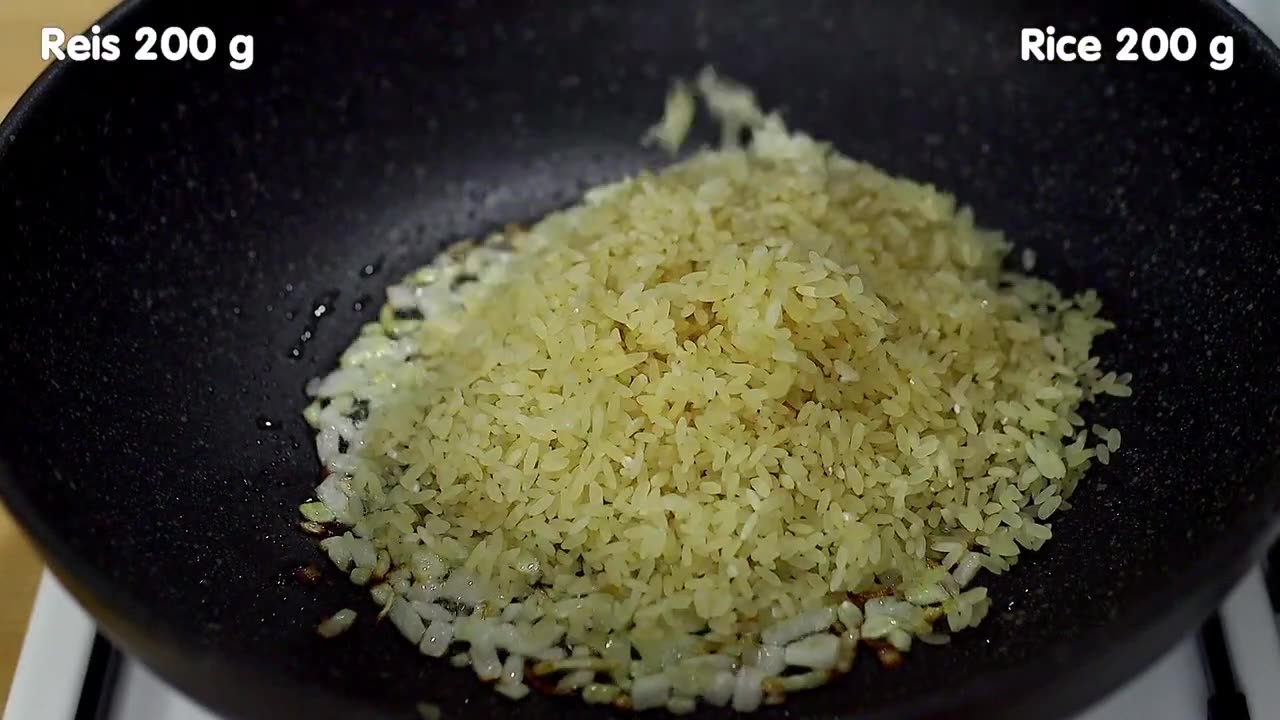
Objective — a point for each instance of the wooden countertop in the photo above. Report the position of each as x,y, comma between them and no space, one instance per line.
20,23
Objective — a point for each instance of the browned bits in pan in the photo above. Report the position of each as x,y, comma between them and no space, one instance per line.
307,574
889,656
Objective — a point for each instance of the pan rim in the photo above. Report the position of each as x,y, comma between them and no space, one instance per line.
1075,674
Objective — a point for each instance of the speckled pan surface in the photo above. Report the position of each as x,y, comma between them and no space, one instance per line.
170,231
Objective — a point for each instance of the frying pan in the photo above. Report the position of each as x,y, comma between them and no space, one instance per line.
187,244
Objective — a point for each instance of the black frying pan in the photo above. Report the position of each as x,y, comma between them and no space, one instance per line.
169,229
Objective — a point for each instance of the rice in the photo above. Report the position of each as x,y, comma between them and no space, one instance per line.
710,427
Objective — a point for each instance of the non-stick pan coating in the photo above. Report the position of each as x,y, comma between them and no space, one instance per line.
171,232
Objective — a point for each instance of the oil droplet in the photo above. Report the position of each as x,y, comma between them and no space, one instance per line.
360,303
324,304
295,352
371,268
265,423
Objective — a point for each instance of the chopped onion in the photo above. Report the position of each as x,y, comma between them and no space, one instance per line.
900,639
464,587
474,629
599,694
650,692
401,297
680,705
347,431
511,613
382,565
714,661
430,611
506,636
819,652
575,662
436,639
334,497
877,627
428,566
540,636
342,463
792,683
771,659
551,654
317,512
363,553
513,670
617,651
720,691
677,117
747,690
575,680
407,621
339,551
423,592
343,381
796,627
399,579
381,594
899,611
327,444
484,658
336,624
848,651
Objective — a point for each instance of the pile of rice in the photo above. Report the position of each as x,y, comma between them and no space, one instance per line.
699,437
